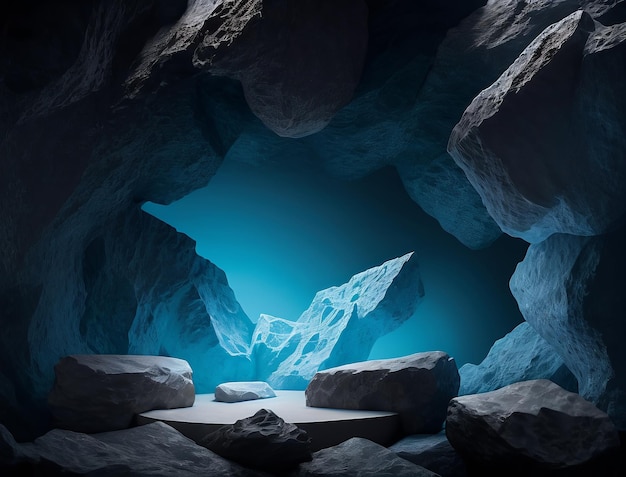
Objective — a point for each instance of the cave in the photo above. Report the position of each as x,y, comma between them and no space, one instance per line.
268,191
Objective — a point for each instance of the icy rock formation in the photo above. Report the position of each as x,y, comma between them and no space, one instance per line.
151,450
358,456
521,355
433,452
534,421
98,393
529,143
243,391
340,326
570,289
263,441
418,387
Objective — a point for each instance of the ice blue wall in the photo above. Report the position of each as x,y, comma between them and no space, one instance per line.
283,232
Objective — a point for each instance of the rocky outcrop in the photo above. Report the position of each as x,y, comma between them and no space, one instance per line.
433,452
243,391
521,355
340,326
534,422
151,450
98,393
529,143
263,441
358,456
569,289
418,387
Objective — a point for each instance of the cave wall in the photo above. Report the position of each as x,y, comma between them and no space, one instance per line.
106,105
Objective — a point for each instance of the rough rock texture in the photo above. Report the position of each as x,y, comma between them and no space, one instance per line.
529,143
433,452
418,387
570,289
532,421
151,450
360,457
98,393
340,326
243,391
263,441
521,355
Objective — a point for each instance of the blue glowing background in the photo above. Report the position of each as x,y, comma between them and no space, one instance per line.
282,232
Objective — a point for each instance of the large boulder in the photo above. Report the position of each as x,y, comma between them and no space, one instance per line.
243,391
340,326
521,355
360,457
533,422
543,145
97,393
152,450
418,387
263,441
570,289
433,452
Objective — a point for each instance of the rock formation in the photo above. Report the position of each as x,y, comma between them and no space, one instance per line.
521,355
340,326
243,391
417,387
433,452
532,422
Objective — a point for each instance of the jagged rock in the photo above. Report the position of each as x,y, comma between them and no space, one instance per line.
529,142
433,452
97,393
340,326
10,452
570,289
358,456
532,421
243,391
521,355
263,441
418,387
151,450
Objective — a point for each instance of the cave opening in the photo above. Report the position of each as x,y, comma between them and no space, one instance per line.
283,229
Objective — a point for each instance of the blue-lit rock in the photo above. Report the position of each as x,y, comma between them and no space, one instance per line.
532,421
243,391
340,326
418,387
521,355
571,290
543,145
433,452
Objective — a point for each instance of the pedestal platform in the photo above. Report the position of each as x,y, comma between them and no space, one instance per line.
326,427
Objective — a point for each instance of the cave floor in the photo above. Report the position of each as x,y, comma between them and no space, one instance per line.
326,427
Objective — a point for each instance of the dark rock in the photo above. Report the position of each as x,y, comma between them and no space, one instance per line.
97,393
243,391
360,457
570,289
521,355
529,142
433,452
532,422
151,450
418,387
262,441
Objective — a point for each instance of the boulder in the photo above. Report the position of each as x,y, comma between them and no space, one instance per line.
433,452
263,441
360,457
340,326
521,355
570,289
152,450
97,393
418,387
533,422
243,391
530,143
